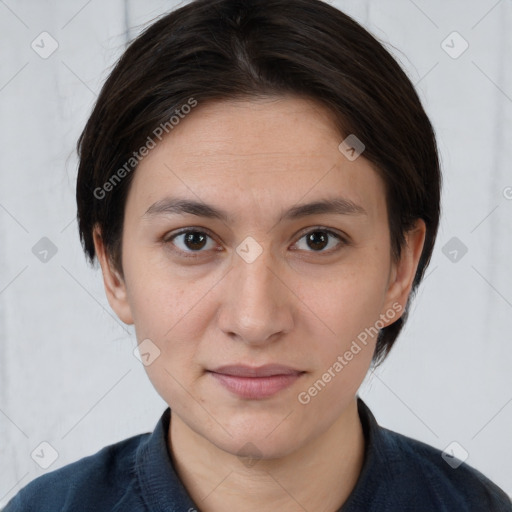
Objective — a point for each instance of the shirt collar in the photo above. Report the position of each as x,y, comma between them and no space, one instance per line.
161,489
379,468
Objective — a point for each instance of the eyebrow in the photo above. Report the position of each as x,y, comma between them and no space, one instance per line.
176,206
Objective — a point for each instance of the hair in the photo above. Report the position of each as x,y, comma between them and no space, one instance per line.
222,50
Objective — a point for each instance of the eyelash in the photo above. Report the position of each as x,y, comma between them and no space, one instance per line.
195,254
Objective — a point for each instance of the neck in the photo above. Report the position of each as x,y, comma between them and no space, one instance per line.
319,475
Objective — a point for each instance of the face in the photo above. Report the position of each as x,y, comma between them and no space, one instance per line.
250,277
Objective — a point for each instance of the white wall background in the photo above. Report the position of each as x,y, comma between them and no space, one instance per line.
67,372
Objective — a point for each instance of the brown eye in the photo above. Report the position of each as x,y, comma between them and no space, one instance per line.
317,240
194,240
320,239
191,241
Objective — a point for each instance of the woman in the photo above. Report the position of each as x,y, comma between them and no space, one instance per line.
261,187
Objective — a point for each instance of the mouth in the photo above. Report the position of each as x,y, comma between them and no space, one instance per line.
255,382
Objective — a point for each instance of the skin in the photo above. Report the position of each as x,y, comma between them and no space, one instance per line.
292,305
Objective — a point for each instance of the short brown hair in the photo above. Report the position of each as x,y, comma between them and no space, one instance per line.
242,49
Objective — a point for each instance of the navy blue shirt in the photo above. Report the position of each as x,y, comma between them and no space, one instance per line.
137,475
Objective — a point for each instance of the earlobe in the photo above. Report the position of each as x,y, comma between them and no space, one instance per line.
404,270
115,287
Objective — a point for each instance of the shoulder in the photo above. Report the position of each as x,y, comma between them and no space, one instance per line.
96,482
436,477
402,473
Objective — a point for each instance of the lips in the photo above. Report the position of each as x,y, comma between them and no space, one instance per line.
260,371
255,382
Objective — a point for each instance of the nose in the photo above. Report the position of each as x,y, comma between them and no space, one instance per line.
257,303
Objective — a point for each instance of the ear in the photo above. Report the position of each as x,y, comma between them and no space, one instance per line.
115,287
403,271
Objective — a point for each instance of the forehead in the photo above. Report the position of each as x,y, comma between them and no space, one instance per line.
266,151
302,123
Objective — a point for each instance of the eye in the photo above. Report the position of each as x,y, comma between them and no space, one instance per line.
191,241
320,239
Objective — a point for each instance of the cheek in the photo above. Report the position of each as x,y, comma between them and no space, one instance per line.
344,344
344,350
344,329
348,301
169,321
166,314
171,312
